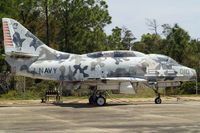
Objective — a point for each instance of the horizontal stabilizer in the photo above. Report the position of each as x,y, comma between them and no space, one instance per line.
22,54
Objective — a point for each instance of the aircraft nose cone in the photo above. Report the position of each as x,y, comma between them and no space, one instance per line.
194,74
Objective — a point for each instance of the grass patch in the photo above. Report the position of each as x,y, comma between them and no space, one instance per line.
14,95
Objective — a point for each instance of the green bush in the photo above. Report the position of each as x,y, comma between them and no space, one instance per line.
189,88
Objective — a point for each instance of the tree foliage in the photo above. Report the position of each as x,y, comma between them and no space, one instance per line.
80,24
114,41
77,26
177,43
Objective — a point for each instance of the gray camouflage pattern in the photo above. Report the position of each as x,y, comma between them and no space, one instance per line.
31,57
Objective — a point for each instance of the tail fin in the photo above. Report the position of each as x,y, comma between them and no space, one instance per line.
18,40
22,48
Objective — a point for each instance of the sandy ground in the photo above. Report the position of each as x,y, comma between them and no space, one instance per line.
119,115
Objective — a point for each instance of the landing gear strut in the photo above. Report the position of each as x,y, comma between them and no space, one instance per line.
97,97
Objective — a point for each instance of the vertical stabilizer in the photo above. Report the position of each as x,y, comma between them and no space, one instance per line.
18,40
21,42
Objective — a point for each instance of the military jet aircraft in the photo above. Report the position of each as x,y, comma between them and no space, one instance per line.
99,71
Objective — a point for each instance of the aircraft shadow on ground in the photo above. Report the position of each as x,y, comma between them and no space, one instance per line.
82,105
86,105
3,106
72,105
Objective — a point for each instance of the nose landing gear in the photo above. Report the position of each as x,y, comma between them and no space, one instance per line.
157,100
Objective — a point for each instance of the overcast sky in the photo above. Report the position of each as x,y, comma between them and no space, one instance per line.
133,14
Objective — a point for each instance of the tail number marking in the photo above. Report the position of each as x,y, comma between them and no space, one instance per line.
184,71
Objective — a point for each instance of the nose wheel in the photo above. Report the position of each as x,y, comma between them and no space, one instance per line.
158,100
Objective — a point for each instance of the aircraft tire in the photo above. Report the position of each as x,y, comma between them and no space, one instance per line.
91,100
101,101
158,100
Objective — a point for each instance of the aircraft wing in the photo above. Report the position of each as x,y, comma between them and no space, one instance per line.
114,80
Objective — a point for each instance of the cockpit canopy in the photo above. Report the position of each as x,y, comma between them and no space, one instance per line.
115,54
164,59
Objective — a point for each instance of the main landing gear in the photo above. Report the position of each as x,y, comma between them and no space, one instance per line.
97,97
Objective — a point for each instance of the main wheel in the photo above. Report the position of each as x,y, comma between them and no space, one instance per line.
158,100
92,99
101,101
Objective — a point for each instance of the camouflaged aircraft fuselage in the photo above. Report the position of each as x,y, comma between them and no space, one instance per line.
30,57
